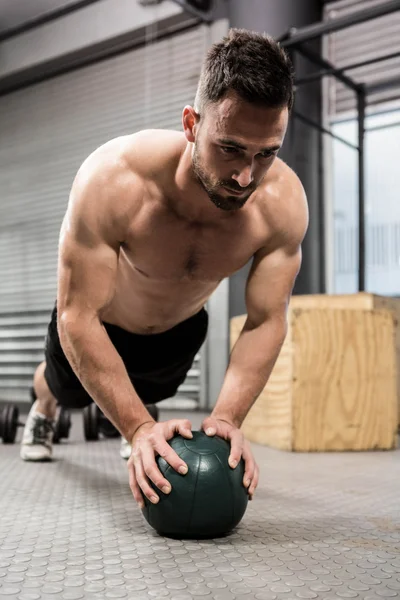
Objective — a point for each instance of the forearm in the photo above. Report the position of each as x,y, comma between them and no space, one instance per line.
102,373
251,362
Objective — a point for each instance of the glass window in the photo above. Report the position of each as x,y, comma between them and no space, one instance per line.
382,185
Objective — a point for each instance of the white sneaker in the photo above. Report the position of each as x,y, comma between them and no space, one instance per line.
37,439
125,449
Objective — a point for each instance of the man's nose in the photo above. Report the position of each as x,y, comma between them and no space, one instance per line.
245,177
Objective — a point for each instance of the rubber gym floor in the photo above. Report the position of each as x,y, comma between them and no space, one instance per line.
323,526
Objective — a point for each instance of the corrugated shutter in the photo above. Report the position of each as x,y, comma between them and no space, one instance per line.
378,37
47,130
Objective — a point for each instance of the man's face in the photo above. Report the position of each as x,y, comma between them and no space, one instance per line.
236,143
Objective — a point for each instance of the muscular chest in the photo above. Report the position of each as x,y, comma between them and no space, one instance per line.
173,250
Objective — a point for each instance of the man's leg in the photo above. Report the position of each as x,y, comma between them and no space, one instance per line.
46,403
37,438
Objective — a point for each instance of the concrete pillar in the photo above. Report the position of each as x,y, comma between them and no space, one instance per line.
302,147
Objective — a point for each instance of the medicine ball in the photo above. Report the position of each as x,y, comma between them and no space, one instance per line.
209,501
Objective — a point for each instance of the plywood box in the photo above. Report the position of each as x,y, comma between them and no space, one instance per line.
334,386
359,301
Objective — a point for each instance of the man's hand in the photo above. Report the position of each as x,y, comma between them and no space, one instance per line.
150,440
240,447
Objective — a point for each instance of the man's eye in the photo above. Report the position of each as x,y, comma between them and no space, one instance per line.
266,154
229,149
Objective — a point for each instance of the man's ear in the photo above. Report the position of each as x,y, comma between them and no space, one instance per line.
190,120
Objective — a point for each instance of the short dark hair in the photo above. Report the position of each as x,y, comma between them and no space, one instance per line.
251,64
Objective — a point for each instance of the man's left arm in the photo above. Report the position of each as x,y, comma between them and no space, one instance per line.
268,290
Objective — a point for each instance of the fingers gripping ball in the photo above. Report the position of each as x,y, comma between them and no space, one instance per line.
209,501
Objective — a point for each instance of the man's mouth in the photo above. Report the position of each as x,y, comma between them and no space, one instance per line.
235,192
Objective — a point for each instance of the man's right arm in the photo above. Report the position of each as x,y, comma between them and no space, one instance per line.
91,235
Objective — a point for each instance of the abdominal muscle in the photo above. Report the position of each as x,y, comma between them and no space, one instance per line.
148,306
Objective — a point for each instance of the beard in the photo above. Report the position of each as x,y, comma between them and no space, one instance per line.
214,188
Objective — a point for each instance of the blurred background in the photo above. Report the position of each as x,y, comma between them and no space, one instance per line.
74,74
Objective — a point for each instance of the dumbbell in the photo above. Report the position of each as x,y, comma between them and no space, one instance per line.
95,422
9,423
63,425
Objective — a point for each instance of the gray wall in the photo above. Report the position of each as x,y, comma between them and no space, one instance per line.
89,33
301,149
14,13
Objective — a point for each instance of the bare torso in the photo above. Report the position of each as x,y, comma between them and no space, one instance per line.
168,268
169,265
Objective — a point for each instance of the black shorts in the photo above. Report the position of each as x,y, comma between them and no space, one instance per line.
157,364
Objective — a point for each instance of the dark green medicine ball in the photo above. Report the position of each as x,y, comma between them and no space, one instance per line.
209,501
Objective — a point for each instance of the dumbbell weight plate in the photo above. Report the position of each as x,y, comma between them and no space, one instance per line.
91,422
9,423
62,426
65,422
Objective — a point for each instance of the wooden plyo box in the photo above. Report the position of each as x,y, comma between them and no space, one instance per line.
334,385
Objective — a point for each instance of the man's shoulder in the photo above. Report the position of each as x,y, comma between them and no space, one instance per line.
284,203
123,167
283,182
141,153
149,151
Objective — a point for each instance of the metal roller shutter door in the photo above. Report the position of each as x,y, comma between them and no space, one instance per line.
378,37
47,130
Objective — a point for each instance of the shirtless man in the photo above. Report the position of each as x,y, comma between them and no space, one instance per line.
155,221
